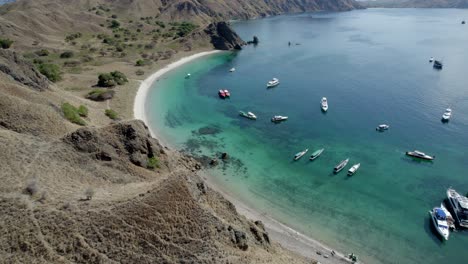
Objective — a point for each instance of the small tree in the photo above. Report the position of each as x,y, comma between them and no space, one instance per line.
5,43
114,24
89,193
119,77
42,52
106,80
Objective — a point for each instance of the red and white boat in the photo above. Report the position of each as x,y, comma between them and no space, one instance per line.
224,94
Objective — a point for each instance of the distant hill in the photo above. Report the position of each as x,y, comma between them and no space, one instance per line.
416,3
5,1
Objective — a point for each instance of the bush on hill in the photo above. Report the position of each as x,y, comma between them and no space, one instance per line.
51,71
71,113
5,43
111,114
111,79
42,52
67,55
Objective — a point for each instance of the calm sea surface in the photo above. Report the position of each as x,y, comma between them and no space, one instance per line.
373,67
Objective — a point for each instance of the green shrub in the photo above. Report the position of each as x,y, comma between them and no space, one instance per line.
5,43
111,79
42,52
119,77
72,114
67,55
51,71
83,111
114,24
185,28
111,114
73,36
141,63
106,80
153,163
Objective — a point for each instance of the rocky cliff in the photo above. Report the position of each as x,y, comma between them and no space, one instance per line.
223,37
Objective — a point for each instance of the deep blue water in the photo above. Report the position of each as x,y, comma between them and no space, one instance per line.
373,67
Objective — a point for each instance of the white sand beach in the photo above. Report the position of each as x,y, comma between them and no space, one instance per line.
286,236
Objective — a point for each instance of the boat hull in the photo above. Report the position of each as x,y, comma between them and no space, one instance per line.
410,154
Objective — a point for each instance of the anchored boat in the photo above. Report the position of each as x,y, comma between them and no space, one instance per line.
459,205
274,82
324,104
353,169
420,155
278,118
248,115
341,165
439,220
447,115
300,154
316,154
382,127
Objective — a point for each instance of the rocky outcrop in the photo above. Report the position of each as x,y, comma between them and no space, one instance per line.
223,37
129,141
21,71
101,96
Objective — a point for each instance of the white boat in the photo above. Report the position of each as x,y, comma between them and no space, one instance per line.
459,205
300,154
450,220
324,104
341,165
353,169
279,118
447,115
431,59
248,115
187,76
316,154
382,127
274,82
439,220
232,70
420,155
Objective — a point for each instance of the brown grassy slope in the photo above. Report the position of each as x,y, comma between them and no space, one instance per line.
137,214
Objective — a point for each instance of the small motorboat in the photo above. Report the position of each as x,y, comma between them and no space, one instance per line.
431,59
248,115
223,94
274,82
300,154
439,219
341,165
278,118
324,104
420,155
187,76
316,154
353,169
232,70
463,22
447,115
382,127
438,64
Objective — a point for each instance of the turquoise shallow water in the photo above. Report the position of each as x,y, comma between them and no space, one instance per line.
373,67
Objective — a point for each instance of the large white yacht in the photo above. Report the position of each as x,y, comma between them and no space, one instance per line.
459,205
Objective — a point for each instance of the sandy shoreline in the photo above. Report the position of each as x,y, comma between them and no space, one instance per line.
286,236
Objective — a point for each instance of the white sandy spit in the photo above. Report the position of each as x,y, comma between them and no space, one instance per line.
145,86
